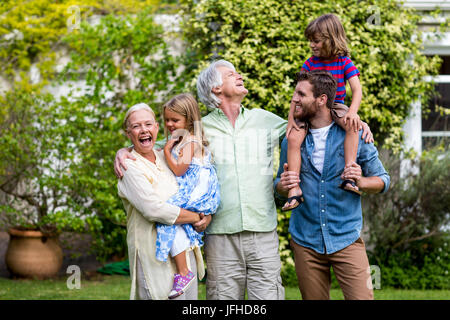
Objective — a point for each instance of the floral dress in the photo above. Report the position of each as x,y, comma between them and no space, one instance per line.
199,192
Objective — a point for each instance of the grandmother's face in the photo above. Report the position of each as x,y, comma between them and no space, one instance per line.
142,130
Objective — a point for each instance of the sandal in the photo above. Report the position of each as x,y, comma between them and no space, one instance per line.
354,188
299,200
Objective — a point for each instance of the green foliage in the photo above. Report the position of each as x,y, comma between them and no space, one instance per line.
129,65
265,41
56,173
409,236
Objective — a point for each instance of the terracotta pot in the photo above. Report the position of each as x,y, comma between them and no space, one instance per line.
32,254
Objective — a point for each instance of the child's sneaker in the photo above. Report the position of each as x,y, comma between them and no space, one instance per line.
180,284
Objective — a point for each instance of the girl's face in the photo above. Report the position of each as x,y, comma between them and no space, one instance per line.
316,45
174,121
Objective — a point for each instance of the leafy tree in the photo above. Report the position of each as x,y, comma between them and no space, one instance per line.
56,171
265,40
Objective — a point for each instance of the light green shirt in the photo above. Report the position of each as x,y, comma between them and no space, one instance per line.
243,157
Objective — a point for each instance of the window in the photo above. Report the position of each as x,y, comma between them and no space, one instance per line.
435,124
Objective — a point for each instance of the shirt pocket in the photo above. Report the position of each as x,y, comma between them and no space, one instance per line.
305,165
340,160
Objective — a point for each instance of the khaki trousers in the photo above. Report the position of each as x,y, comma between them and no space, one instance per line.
350,265
240,261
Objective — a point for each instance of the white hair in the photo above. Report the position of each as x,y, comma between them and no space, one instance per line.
211,78
136,107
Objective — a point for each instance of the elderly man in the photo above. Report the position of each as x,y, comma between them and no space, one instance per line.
326,228
241,244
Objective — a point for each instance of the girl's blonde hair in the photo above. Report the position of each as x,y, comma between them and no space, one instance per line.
328,28
185,105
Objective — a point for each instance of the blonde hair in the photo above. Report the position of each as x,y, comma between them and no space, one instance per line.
185,105
136,107
328,28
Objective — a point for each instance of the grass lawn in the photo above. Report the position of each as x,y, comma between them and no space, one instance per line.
102,287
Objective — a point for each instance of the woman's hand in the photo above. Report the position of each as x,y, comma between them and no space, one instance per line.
119,161
205,220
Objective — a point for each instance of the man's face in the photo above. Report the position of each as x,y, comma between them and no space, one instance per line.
306,106
232,83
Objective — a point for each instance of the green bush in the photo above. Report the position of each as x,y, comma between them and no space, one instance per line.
408,229
265,41
60,152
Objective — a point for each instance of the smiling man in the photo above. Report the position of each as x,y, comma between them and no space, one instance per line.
241,244
326,229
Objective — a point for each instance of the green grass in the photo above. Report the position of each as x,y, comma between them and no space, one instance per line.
118,288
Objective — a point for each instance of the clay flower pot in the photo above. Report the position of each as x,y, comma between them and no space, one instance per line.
32,254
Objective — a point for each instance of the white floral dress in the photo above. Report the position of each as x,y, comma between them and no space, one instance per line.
199,192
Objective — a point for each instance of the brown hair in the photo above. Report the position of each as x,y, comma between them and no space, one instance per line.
322,83
328,28
185,105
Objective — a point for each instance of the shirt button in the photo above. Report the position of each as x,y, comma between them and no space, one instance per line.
323,196
323,225
323,210
322,181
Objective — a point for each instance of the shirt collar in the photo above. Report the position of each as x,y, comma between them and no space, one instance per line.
219,111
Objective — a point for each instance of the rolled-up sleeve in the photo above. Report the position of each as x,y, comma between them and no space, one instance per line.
283,160
371,165
137,189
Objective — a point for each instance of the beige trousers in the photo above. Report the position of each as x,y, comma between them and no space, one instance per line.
240,261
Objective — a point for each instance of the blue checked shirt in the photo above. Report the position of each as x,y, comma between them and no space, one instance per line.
330,219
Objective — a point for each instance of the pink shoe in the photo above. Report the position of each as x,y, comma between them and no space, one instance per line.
180,284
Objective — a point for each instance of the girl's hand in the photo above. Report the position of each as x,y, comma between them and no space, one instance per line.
352,119
170,144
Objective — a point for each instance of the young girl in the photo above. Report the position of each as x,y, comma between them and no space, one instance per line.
328,43
187,155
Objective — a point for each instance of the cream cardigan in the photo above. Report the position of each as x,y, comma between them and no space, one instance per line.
144,190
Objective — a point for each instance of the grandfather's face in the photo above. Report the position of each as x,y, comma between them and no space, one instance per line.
142,130
232,83
306,106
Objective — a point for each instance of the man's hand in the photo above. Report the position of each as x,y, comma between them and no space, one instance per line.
205,220
352,172
367,184
119,161
288,180
367,134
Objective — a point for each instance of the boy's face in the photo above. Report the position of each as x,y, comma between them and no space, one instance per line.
317,46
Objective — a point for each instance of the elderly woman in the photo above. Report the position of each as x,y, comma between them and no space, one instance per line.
144,189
